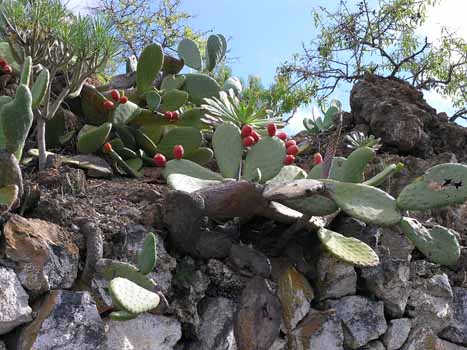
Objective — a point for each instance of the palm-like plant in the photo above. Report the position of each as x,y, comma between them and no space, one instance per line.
357,139
317,125
228,107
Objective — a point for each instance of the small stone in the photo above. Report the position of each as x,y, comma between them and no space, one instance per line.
319,330
227,282
429,302
395,244
279,344
65,320
397,333
374,345
14,308
389,282
249,261
216,329
45,254
424,338
363,320
444,345
2,346
146,332
335,278
457,330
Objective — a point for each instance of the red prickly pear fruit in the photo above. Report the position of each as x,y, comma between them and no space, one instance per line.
7,69
175,115
123,100
168,115
107,147
115,95
159,160
282,135
289,159
248,141
178,151
255,136
317,158
247,130
290,143
3,62
293,150
272,129
108,105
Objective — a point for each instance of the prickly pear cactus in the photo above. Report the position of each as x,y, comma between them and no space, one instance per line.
110,269
91,138
173,82
228,149
267,155
354,167
8,197
439,244
131,297
187,167
348,249
336,170
441,186
379,178
200,86
149,66
189,184
148,255
189,51
366,203
189,138
289,173
39,88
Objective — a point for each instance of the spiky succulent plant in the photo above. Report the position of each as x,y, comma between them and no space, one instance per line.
357,139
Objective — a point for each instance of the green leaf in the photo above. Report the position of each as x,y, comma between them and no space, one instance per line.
148,255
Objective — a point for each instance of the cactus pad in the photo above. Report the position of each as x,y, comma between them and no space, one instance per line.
25,78
348,249
173,100
189,138
8,197
228,149
39,88
110,269
317,205
356,163
149,65
201,156
189,51
336,170
187,167
153,100
440,186
438,244
289,173
132,297
148,254
135,163
366,203
173,81
91,138
189,184
200,86
144,142
122,315
123,113
214,51
129,168
267,156
235,84
379,178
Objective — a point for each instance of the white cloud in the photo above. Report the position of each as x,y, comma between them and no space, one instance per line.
80,6
296,123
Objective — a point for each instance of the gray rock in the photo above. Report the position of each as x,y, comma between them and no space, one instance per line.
425,339
227,282
430,301
389,281
45,254
352,227
335,278
3,346
397,333
362,319
395,244
320,330
250,261
14,308
279,344
457,331
374,345
146,332
65,320
216,329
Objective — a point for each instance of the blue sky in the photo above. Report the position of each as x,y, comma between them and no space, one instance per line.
265,33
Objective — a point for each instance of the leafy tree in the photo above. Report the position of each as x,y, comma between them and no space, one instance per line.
69,46
383,40
141,22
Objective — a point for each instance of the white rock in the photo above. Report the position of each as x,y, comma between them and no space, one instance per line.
397,333
14,308
146,332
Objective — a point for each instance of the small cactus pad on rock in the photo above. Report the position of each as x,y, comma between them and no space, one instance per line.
440,186
348,249
267,155
366,203
438,244
189,184
187,167
110,269
131,297
227,145
148,254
